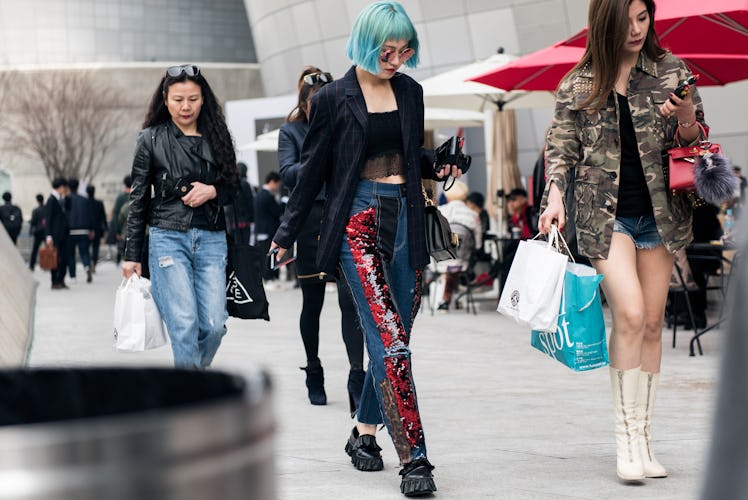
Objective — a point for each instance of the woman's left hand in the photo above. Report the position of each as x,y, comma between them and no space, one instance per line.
449,170
199,194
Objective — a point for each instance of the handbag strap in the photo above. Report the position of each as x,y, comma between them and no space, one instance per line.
426,198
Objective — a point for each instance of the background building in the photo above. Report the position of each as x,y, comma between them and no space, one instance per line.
289,34
256,48
125,44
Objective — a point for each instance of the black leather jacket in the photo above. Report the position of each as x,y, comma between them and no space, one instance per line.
163,155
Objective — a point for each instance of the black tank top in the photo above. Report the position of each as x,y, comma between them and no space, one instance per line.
633,195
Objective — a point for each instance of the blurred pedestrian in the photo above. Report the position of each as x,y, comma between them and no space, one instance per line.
11,217
56,229
615,114
365,144
78,211
476,202
115,229
36,229
98,221
185,155
312,281
466,224
268,211
241,213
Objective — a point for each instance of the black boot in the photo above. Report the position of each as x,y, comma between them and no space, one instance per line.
315,383
364,451
417,478
355,387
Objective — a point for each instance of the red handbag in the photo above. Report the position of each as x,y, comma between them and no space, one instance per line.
682,162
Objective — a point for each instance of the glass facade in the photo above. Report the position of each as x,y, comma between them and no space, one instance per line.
51,32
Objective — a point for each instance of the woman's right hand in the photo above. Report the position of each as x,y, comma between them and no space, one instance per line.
281,251
554,212
129,267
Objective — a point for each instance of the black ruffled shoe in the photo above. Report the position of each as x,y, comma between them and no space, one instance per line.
364,451
417,478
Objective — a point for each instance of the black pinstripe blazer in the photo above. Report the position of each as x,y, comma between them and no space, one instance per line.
333,153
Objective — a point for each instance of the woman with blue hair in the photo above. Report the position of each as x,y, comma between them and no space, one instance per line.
365,142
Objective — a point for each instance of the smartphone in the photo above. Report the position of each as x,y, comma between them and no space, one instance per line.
681,91
274,263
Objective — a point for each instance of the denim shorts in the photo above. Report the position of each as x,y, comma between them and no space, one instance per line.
642,230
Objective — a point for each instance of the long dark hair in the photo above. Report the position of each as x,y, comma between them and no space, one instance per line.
210,122
608,30
306,91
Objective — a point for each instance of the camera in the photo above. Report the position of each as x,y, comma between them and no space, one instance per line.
176,188
450,153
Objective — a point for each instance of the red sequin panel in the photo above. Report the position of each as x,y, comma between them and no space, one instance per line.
416,296
398,373
362,236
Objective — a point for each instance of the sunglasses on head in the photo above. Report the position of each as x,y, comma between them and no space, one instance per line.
314,78
187,69
386,54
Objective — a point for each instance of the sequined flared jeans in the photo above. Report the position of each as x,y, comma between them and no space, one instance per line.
375,266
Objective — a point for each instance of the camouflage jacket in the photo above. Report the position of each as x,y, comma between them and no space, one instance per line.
588,139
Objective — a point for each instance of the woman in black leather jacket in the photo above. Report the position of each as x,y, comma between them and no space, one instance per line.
311,280
183,173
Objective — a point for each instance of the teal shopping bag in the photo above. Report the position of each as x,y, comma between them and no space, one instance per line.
579,339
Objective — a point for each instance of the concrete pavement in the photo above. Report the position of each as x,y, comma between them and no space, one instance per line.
502,421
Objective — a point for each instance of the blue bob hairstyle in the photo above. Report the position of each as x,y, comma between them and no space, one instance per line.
377,23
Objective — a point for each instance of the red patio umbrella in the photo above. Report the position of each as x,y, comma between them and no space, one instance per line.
543,70
696,26
710,35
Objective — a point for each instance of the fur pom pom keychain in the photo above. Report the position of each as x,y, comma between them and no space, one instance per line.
714,179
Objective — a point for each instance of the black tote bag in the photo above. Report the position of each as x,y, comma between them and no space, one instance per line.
245,294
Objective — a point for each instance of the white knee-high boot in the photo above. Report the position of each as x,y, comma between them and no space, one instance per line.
645,399
625,384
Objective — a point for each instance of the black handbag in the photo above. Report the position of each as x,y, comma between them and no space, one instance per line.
245,293
441,242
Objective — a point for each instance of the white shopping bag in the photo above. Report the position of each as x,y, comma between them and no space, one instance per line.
137,322
532,292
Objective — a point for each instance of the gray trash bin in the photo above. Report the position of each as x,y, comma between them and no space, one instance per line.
136,434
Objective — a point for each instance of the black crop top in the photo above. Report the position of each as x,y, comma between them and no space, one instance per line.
633,195
384,149
385,135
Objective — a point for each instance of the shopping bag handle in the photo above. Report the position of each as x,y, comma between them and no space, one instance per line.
127,282
557,242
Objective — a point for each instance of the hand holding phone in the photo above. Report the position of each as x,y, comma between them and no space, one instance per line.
683,88
275,263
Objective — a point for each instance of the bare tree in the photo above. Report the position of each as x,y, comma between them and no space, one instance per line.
68,120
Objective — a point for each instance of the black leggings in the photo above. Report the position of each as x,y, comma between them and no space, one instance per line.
313,295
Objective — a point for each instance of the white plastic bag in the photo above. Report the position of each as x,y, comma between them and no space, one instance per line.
137,322
532,292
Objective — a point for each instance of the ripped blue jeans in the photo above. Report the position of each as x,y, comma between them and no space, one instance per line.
188,278
375,265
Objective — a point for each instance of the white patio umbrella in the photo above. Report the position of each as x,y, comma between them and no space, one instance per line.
452,89
433,117
264,142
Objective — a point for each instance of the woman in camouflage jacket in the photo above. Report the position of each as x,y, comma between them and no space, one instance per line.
615,114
